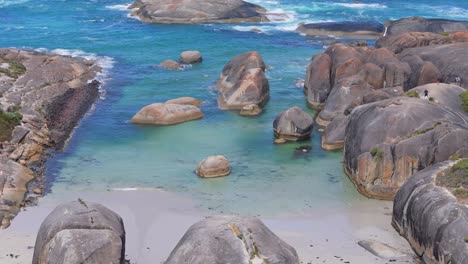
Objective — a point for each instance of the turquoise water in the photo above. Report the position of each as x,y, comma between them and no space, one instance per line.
106,151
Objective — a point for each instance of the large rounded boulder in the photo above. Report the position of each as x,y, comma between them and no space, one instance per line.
80,232
166,114
430,211
194,12
213,166
243,82
231,239
191,56
388,141
293,124
421,24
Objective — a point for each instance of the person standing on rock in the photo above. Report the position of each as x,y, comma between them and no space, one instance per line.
426,94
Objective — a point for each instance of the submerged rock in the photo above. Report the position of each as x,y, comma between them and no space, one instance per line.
430,218
251,110
166,114
231,239
193,12
348,29
80,232
381,250
170,65
293,124
191,56
421,24
388,141
243,82
213,166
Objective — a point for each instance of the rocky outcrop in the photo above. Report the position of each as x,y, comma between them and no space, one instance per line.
243,82
399,42
347,29
213,166
430,217
50,93
388,141
80,232
185,101
420,24
166,114
442,93
293,124
231,239
193,12
191,56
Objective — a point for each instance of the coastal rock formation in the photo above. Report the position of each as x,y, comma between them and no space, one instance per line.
243,82
185,101
388,141
191,56
231,239
442,93
166,114
317,85
80,232
293,124
399,42
420,24
193,12
170,65
430,217
213,166
348,29
47,94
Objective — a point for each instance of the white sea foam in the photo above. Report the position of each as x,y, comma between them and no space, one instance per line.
4,3
361,5
118,7
105,62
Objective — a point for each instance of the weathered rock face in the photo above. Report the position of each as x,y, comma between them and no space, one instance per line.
348,29
293,124
451,60
193,12
430,218
191,56
51,93
243,82
185,101
399,42
166,114
317,85
231,239
442,93
80,232
213,166
388,141
420,24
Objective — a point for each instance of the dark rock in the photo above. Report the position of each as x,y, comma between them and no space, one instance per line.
231,239
430,217
80,232
317,84
420,24
243,82
293,124
193,12
18,134
348,29
388,141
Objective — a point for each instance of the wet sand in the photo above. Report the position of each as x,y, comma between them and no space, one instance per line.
155,220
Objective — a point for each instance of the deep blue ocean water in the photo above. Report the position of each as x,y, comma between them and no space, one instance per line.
107,152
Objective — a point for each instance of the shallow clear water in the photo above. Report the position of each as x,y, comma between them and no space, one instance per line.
107,151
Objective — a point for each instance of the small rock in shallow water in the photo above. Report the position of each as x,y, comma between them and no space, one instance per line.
170,65
280,141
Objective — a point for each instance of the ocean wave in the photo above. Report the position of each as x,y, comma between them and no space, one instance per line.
450,12
118,7
105,62
4,3
360,5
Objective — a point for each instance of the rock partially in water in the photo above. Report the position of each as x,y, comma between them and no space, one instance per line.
170,65
421,24
317,84
80,232
251,110
243,82
388,141
166,114
348,29
293,124
195,12
185,101
213,166
191,56
381,250
231,239
430,218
